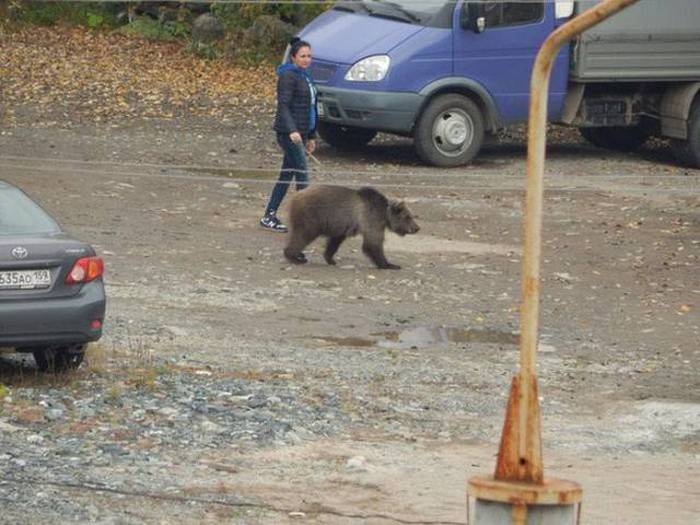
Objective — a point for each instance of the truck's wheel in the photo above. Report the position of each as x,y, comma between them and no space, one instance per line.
618,138
58,358
449,132
687,151
345,137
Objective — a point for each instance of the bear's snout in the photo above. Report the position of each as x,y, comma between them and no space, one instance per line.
412,227
408,229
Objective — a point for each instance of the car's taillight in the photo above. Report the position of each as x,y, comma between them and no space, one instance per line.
85,270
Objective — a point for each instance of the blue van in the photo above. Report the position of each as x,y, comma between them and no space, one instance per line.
448,72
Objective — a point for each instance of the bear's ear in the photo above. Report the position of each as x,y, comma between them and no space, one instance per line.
397,206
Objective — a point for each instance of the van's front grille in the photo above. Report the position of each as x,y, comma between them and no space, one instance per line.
321,72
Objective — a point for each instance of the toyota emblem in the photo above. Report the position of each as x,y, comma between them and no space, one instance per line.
19,252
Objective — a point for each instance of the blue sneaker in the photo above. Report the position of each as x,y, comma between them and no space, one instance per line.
272,223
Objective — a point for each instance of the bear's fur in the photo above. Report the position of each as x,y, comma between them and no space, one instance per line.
336,212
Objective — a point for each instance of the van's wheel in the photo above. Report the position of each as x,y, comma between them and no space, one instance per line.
687,152
58,358
618,138
449,132
345,137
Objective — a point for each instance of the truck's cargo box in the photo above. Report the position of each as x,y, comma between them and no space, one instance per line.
652,39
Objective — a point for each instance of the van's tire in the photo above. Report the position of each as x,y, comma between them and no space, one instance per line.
345,137
687,152
58,358
618,138
450,131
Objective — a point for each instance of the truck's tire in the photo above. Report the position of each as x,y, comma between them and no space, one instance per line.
450,131
687,152
345,137
618,138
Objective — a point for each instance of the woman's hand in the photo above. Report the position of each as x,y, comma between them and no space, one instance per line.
295,137
310,146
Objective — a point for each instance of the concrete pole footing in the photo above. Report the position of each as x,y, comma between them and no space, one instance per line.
497,502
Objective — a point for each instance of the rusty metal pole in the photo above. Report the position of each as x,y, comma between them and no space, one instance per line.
519,476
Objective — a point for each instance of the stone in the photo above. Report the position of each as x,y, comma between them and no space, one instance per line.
357,463
270,31
207,29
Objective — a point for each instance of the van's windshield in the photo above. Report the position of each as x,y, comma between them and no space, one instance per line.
419,12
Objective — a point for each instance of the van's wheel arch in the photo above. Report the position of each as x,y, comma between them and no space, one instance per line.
345,137
618,138
687,152
449,131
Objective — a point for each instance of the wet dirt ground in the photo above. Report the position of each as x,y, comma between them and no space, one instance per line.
417,361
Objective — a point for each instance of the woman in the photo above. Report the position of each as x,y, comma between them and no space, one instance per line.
295,124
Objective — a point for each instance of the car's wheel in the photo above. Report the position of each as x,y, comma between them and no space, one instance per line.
616,138
450,131
59,358
687,151
345,137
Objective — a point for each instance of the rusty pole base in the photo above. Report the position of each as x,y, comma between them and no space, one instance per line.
497,502
518,494
520,453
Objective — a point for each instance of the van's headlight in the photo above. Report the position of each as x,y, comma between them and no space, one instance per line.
370,69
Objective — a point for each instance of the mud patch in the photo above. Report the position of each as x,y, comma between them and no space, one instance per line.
347,341
423,337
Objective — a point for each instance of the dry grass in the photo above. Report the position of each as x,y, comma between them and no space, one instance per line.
26,412
96,359
131,367
21,376
143,378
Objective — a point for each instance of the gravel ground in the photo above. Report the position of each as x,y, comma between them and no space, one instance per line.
230,387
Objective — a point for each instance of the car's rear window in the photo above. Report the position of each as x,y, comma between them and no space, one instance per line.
19,215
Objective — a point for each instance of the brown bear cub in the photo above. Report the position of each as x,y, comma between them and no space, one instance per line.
336,212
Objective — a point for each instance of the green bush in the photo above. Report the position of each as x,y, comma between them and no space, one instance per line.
208,51
94,20
152,29
89,14
251,34
241,16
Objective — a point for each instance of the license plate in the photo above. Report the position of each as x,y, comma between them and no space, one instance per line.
321,110
25,279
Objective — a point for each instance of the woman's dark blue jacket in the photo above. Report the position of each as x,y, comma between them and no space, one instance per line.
294,111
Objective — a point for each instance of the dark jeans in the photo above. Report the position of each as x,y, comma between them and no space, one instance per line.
293,168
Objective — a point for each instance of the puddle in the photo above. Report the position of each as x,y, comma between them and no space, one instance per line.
347,341
423,337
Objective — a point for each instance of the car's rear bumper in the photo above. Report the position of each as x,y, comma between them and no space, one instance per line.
49,321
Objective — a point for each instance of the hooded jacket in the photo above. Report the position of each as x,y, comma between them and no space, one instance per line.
296,104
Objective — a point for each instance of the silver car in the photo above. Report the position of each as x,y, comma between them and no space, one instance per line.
52,297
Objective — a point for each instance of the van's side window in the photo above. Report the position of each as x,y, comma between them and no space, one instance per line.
512,13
